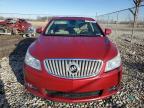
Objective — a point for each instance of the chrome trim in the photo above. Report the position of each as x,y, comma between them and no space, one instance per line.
59,67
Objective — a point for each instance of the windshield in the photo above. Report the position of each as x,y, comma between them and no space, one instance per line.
73,27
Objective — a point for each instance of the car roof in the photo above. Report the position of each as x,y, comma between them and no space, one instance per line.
73,18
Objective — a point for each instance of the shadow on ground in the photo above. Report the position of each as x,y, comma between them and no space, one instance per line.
135,66
16,58
3,100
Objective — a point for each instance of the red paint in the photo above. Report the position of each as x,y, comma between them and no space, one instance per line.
72,47
39,30
108,31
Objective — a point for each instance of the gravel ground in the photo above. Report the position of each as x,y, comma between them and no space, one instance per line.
13,93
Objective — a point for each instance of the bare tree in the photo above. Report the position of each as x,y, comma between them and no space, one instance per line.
135,12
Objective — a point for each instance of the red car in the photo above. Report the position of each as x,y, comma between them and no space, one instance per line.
16,26
73,61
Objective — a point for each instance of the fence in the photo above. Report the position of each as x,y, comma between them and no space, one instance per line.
35,19
121,22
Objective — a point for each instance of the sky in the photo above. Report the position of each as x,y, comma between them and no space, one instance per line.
63,7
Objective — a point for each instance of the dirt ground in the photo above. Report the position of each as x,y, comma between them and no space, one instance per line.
13,93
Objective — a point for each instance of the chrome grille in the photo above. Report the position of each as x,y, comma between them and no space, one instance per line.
73,68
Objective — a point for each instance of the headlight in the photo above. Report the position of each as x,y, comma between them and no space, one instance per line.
113,63
31,61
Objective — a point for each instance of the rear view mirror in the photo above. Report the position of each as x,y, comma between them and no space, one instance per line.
39,30
108,31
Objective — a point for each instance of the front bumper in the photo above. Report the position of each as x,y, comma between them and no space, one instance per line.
67,90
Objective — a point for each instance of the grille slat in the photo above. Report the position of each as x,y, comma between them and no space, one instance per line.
51,66
89,66
54,67
67,62
61,67
80,64
83,70
57,68
99,66
92,68
95,66
86,68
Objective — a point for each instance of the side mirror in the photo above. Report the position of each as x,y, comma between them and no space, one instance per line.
39,30
108,31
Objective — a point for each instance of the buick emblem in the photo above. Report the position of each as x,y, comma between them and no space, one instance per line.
73,68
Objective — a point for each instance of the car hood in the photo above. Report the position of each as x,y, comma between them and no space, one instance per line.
73,47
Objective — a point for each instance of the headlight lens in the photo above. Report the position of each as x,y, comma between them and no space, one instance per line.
31,61
113,63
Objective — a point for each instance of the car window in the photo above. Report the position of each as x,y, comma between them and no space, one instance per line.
73,27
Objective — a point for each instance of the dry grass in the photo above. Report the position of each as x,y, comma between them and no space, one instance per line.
38,23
